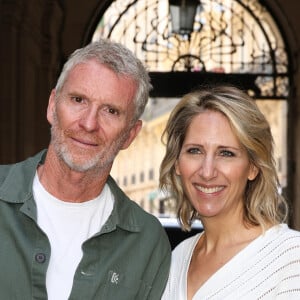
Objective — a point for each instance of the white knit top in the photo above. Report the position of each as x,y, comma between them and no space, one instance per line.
268,268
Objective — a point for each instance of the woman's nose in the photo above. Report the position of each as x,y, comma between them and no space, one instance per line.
208,168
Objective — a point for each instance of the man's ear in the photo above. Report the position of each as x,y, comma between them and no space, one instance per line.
51,106
132,134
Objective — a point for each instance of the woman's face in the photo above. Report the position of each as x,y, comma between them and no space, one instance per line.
214,167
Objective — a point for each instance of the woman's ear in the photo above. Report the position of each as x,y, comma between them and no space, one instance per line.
177,170
252,172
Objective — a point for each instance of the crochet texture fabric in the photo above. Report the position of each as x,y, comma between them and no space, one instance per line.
268,268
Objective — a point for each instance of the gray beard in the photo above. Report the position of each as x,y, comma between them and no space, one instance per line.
99,162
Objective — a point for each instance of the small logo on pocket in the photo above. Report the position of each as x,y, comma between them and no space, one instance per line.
114,278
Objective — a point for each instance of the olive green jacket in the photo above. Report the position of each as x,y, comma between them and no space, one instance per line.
128,259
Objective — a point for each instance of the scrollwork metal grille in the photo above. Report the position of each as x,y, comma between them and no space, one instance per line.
236,37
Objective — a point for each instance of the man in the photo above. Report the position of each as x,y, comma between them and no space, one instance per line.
66,230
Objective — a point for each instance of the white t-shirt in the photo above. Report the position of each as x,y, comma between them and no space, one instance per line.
67,226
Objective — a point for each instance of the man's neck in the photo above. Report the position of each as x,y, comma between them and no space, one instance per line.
69,185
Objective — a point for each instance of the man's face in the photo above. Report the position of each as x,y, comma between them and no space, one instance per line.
91,119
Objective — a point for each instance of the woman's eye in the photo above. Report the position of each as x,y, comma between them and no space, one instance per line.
227,153
193,150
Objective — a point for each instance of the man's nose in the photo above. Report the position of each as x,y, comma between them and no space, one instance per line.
90,120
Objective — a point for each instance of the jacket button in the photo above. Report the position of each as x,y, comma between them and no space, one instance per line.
40,258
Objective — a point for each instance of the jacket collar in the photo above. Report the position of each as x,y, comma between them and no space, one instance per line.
17,185
124,213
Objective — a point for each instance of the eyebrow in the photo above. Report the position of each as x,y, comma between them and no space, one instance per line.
218,146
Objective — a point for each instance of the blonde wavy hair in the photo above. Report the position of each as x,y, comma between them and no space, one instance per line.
263,203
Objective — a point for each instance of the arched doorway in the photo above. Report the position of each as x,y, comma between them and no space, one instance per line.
230,41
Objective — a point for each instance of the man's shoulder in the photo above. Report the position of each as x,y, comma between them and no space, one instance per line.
28,161
143,217
128,208
11,170
4,170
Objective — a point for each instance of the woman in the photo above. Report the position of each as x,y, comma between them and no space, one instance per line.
219,166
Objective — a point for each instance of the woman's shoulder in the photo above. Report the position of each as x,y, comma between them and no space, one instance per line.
281,238
283,250
285,232
291,236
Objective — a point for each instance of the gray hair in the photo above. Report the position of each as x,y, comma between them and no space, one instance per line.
117,58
